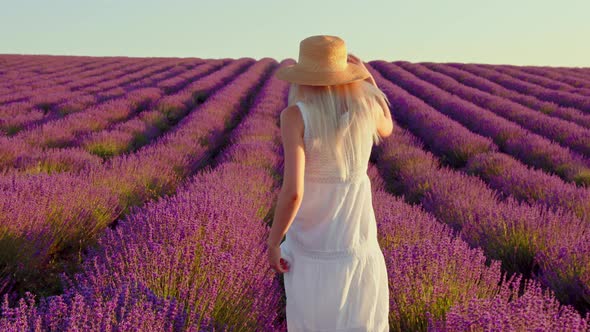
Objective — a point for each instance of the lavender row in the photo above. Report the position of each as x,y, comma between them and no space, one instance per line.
511,177
67,88
500,171
534,309
184,247
58,133
46,106
176,318
11,65
53,106
578,72
46,91
114,83
478,271
568,134
511,138
21,76
130,135
21,155
137,193
219,211
552,246
183,218
433,274
76,78
557,75
539,240
559,97
571,71
249,151
84,209
57,66
446,137
41,63
428,265
539,79
159,246
103,84
546,107
174,251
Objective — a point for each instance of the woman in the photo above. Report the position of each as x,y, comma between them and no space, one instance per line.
335,276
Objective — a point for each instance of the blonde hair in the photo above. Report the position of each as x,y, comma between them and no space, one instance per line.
340,118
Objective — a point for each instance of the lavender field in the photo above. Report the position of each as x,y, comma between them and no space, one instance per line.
136,194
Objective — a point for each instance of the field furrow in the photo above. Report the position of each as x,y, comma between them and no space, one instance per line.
539,80
138,194
566,99
53,228
511,138
567,134
527,238
468,79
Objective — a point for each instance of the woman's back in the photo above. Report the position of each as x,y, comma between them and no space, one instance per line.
332,245
320,165
336,213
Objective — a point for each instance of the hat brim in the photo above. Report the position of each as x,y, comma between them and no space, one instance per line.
294,74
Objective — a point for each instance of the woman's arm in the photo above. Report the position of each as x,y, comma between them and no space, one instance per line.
289,198
285,211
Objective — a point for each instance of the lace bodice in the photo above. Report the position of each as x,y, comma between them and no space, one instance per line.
320,165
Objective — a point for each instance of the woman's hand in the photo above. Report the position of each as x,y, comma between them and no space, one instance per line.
355,60
277,263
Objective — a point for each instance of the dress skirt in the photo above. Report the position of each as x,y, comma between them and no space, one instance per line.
337,279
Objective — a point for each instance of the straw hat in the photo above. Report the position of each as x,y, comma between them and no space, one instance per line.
322,61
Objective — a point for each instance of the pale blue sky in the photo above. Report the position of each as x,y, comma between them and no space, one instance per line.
552,33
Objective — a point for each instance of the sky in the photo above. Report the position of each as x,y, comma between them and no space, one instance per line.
518,32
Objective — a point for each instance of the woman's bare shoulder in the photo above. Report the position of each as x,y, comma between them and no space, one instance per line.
291,113
291,117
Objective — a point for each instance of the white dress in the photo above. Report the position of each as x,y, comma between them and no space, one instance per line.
337,279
